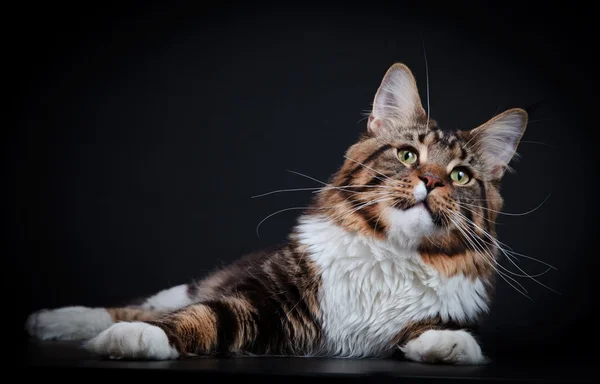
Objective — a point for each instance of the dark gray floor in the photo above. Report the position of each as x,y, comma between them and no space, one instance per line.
65,358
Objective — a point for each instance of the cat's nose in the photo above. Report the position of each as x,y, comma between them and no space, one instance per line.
431,181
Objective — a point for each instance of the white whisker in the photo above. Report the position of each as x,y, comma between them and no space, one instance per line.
309,177
474,240
324,183
502,250
379,217
316,190
363,205
427,80
286,190
509,250
479,240
502,275
477,213
536,142
367,167
297,208
280,211
532,258
507,213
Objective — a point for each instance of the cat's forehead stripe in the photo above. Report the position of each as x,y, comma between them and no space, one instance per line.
428,136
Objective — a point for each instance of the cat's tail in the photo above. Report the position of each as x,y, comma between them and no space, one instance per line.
83,323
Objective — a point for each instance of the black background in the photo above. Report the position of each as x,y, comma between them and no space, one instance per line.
143,130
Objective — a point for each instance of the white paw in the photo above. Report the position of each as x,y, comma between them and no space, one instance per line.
68,323
449,347
134,340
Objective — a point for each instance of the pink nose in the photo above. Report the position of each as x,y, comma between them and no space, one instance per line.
431,181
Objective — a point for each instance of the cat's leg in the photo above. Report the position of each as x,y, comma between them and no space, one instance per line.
223,325
83,323
437,345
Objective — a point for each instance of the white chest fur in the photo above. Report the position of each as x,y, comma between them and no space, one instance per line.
371,289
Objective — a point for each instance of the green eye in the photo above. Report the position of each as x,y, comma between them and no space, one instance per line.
460,177
407,157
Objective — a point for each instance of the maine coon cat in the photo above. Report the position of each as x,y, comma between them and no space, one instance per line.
395,253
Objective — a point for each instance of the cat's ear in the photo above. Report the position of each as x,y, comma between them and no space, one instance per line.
497,140
397,100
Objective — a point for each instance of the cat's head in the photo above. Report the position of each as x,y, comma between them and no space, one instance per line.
409,180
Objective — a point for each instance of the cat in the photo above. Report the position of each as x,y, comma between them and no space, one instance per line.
395,255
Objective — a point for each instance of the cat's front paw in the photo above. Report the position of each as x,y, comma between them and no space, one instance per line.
444,347
136,340
68,323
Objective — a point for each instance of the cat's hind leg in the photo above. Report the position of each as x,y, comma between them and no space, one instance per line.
224,325
82,323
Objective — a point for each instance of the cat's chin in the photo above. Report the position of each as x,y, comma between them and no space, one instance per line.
410,225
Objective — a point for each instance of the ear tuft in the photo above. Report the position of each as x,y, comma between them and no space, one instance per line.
497,140
397,100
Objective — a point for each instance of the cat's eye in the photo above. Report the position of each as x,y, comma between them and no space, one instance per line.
407,157
460,176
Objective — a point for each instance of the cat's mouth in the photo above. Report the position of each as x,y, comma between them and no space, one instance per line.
425,206
412,220
420,204
405,205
